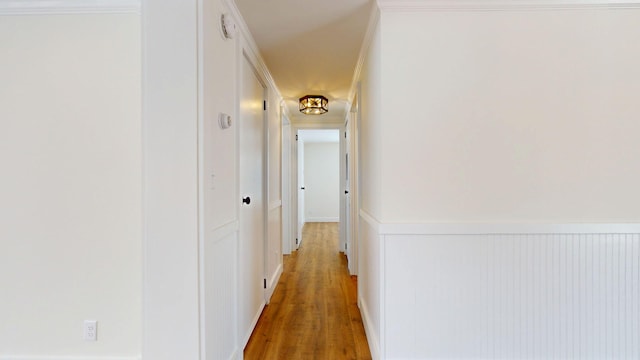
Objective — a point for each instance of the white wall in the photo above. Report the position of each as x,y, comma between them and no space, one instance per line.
369,187
370,128
322,181
172,316
515,116
219,186
70,223
192,264
86,174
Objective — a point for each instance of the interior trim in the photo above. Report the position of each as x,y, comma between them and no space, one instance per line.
250,48
498,5
60,7
374,17
275,204
222,232
372,337
466,228
40,357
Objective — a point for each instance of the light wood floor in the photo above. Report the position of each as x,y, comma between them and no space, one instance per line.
313,313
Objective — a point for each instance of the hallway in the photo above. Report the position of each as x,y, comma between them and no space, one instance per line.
313,313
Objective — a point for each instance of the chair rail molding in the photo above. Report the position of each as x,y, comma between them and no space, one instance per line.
61,7
469,228
497,5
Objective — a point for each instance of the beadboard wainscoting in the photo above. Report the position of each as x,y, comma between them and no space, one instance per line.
370,285
492,291
273,253
221,292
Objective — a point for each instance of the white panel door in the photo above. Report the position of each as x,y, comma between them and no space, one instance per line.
252,212
347,195
287,239
301,188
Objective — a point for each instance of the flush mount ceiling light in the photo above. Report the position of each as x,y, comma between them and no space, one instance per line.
314,105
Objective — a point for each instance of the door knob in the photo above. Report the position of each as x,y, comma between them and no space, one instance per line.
302,188
346,191
246,200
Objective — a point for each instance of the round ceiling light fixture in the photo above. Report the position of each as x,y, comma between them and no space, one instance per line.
314,104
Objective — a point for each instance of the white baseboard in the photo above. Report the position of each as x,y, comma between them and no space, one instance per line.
272,283
322,219
237,355
372,337
59,357
254,322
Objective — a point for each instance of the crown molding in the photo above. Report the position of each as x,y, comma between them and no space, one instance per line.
61,7
251,46
374,17
497,5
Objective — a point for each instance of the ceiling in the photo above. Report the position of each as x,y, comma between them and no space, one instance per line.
310,47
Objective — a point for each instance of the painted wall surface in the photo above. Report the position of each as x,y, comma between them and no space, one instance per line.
519,116
525,116
171,318
71,215
219,186
369,188
322,181
370,128
220,87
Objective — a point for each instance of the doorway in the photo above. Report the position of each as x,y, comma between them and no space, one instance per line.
318,173
252,198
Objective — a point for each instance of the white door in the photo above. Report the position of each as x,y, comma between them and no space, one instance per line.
353,184
301,188
287,243
347,194
252,247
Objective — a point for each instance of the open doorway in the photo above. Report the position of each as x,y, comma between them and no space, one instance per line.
318,177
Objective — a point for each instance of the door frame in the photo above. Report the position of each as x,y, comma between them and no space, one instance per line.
295,126
288,242
246,55
354,115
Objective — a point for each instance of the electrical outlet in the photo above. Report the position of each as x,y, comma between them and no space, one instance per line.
90,330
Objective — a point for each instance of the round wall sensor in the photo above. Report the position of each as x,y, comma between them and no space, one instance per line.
227,26
224,121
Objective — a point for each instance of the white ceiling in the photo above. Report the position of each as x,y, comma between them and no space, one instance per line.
310,47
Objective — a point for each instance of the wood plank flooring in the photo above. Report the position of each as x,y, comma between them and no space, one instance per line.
313,312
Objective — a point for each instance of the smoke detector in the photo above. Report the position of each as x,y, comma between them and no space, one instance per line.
228,27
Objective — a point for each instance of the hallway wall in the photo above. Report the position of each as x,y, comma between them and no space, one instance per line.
518,144
524,115
197,249
370,189
70,220
219,176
